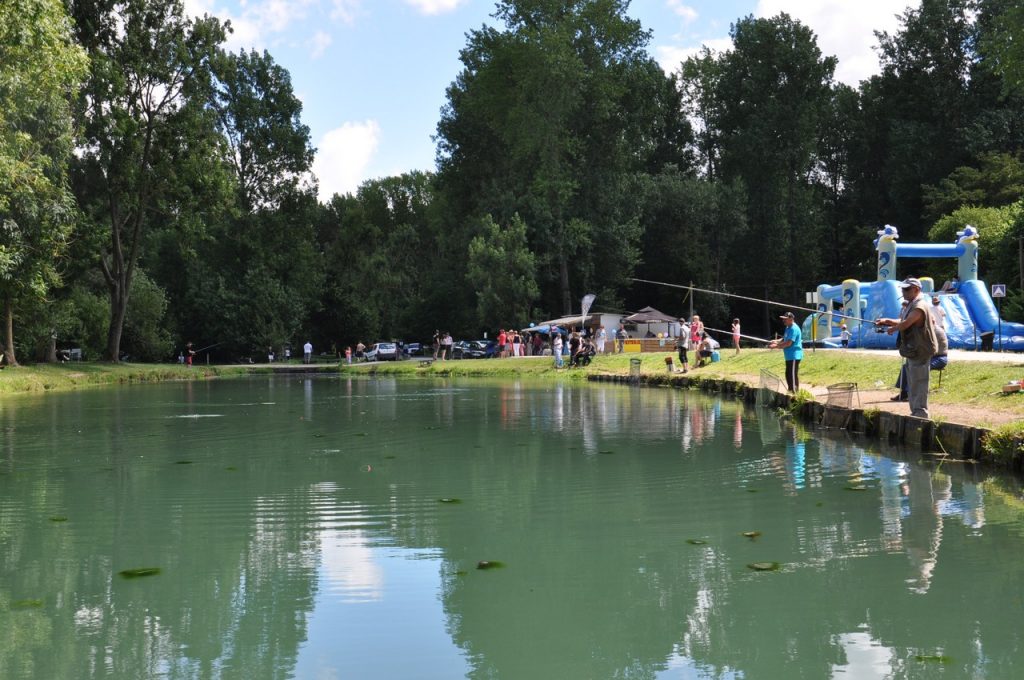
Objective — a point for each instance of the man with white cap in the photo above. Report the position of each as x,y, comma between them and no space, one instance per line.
918,343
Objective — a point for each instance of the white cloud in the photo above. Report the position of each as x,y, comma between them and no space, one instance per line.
321,41
845,29
670,57
689,14
258,22
346,10
432,7
343,155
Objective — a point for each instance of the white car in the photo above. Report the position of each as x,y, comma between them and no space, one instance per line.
382,351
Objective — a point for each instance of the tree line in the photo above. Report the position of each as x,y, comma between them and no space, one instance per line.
156,188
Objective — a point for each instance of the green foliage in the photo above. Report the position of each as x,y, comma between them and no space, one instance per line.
549,119
1003,44
502,271
999,230
997,181
1006,443
145,334
150,155
40,70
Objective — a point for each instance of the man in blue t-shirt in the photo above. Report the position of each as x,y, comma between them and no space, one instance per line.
792,349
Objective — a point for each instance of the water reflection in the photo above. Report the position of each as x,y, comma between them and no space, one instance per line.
300,534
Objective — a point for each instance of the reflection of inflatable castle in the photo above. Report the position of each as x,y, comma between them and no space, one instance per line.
970,312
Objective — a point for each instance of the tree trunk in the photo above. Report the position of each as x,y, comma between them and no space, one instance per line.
51,349
9,358
118,310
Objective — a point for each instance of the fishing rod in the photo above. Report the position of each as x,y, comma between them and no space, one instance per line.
751,299
197,351
729,333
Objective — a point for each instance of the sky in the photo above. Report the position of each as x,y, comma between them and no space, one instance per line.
372,74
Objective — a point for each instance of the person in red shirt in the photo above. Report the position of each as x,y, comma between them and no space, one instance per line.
502,339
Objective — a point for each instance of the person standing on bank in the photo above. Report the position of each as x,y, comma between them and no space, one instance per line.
307,352
792,345
918,344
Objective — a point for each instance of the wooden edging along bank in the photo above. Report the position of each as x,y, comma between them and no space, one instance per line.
959,442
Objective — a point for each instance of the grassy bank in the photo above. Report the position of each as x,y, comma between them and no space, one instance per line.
974,384
48,377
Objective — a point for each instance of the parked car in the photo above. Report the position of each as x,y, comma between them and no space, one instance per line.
382,351
473,349
411,349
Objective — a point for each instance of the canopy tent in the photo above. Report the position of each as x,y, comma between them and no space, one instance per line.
650,315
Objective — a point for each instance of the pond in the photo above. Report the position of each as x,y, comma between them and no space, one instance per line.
326,527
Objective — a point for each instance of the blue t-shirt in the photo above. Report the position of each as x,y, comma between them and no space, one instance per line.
796,350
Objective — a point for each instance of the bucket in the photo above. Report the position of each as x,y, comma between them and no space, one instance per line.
715,356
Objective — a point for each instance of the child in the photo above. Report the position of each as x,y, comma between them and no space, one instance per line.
736,335
844,336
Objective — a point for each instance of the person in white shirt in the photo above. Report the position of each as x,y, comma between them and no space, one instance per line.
307,352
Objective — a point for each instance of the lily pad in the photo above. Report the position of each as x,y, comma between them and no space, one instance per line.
752,490
607,453
231,468
139,573
764,566
752,535
58,518
389,457
489,564
932,658
27,604
449,500
696,541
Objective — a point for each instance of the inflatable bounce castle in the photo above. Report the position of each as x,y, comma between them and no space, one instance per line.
971,315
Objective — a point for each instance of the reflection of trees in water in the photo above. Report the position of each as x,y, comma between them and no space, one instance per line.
232,607
599,582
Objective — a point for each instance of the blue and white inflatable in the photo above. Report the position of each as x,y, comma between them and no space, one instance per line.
970,311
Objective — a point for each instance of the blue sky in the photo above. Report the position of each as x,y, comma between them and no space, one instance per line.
372,73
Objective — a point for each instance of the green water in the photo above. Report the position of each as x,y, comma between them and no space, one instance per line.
298,530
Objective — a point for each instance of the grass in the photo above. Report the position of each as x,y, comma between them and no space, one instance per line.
1005,443
53,377
974,385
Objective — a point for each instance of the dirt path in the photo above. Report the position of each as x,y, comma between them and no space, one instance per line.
881,399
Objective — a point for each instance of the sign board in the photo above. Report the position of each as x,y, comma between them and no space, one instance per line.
998,290
633,345
811,298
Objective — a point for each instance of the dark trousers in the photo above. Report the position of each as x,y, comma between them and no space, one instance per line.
793,374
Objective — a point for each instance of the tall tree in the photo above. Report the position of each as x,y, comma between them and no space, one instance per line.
148,142
40,71
923,106
259,115
546,120
774,93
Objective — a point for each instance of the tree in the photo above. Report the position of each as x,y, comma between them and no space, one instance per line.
547,120
924,107
502,271
774,92
259,116
150,155
40,71
1002,44
997,181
